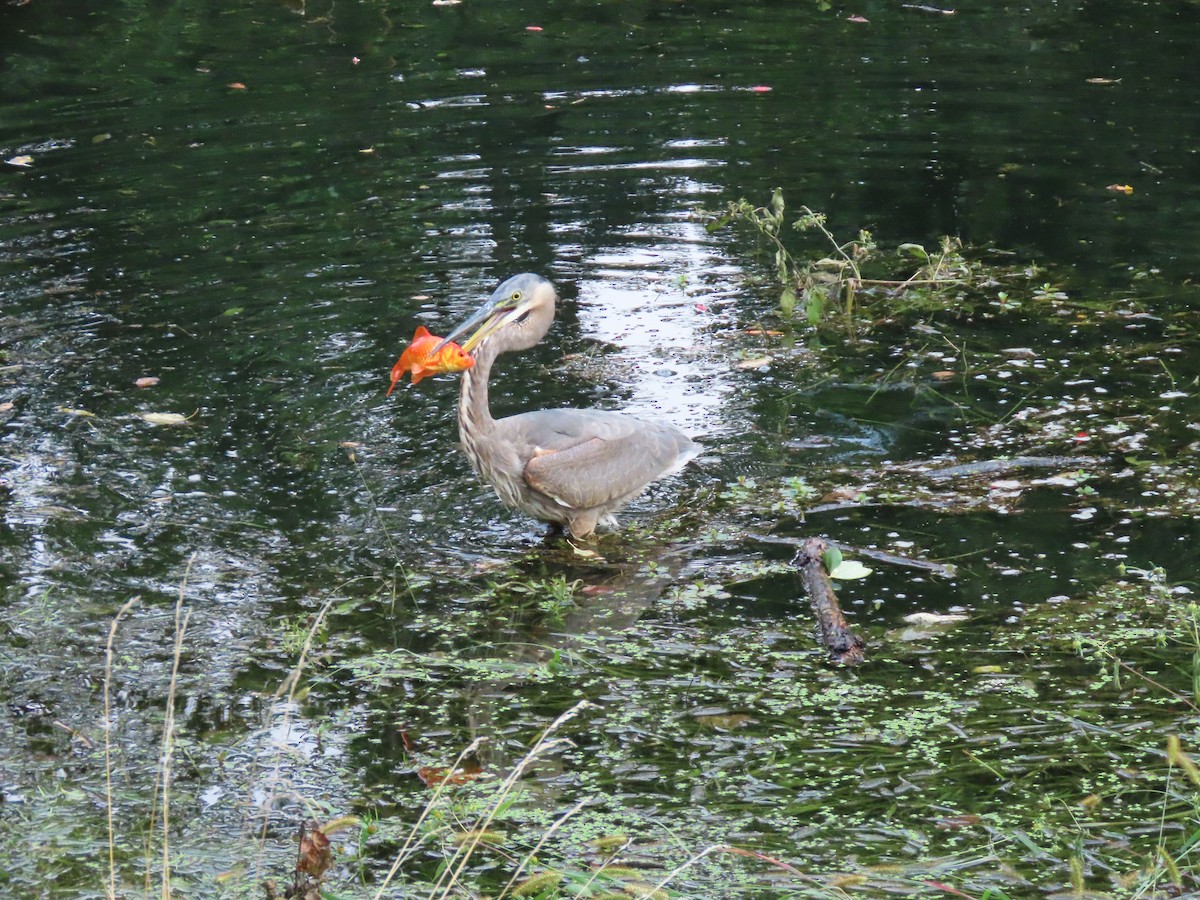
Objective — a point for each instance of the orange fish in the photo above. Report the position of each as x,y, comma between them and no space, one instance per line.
417,358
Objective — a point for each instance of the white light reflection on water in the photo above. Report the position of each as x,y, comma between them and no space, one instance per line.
657,298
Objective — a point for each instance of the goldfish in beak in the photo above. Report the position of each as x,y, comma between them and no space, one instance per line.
427,354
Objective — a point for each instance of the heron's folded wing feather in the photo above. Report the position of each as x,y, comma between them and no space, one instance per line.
599,471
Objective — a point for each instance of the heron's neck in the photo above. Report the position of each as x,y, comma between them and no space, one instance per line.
474,417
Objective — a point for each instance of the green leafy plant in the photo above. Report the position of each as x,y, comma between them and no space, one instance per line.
833,284
813,285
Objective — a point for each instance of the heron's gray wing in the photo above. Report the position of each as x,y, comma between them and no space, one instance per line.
613,465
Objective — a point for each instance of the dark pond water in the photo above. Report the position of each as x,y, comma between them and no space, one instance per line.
257,204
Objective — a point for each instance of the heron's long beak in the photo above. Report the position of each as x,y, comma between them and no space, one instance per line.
489,318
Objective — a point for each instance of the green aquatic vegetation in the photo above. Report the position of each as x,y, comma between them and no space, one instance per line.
833,288
789,494
818,285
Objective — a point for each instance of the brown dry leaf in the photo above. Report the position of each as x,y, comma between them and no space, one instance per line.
71,411
944,375
1103,80
236,86
24,161
6,406
148,381
763,332
316,856
1120,189
350,445
432,776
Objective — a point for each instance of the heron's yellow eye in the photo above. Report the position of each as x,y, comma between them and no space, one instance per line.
516,296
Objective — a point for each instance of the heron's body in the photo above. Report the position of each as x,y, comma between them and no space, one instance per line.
569,467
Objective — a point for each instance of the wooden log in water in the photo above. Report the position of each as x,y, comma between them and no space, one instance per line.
845,647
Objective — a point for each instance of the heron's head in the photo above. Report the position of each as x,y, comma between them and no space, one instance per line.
512,303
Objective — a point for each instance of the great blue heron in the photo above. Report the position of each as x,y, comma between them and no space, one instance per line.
568,467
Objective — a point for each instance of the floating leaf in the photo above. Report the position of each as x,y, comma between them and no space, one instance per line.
147,381
22,161
1120,189
6,406
166,418
71,411
756,363
236,86
927,618
849,570
234,311
859,20
1103,80
1005,484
